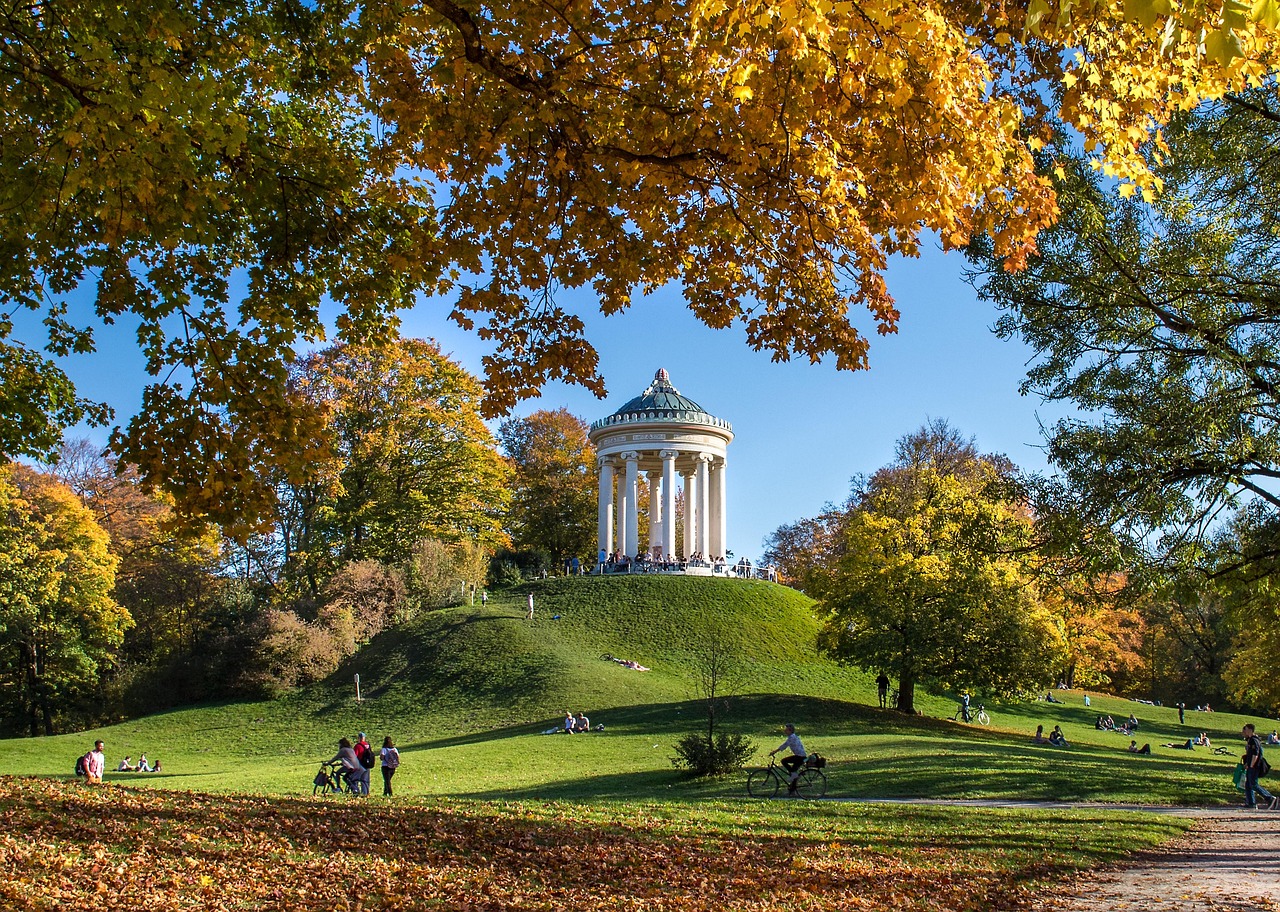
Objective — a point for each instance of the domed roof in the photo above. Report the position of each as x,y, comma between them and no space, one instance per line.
660,396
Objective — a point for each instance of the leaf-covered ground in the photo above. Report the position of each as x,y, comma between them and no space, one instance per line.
66,845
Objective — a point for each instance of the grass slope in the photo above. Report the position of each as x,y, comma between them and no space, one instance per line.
467,692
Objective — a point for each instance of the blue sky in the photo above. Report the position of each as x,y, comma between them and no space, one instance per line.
801,430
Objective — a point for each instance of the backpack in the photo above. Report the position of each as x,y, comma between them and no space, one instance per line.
365,755
814,761
82,765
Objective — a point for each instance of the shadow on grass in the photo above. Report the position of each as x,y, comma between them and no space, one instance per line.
903,758
442,651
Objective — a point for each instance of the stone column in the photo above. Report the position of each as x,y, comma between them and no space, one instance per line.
668,503
605,501
690,512
655,512
631,534
719,526
704,500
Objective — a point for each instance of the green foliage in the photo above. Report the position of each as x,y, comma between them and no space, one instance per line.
37,403
59,626
1158,321
726,752
439,574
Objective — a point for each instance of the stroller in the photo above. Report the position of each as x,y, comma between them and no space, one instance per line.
330,780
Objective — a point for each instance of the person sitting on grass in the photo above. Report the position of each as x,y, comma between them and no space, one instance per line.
1203,740
143,765
1134,749
126,765
581,724
1133,722
1056,738
1039,737
1274,737
568,722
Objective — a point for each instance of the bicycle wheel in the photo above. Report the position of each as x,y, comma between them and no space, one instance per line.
762,783
982,718
811,784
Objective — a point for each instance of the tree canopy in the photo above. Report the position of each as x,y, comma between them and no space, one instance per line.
59,625
214,173
1159,321
930,580
553,497
407,458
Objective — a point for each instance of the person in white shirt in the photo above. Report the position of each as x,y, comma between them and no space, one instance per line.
795,762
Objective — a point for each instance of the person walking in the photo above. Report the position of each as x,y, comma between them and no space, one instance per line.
95,763
390,763
1252,761
529,614
882,687
795,762
1182,713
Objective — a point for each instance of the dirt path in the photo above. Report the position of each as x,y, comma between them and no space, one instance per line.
1230,862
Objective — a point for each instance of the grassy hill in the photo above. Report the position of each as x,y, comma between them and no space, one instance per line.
467,693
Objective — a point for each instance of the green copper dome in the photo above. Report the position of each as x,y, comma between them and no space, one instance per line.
661,402
660,395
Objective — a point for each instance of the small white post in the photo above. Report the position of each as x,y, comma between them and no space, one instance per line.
357,688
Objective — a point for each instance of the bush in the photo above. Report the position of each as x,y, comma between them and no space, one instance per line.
718,756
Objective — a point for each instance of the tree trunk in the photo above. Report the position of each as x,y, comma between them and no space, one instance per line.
907,692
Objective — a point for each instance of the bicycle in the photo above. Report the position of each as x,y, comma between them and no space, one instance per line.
977,714
330,780
764,783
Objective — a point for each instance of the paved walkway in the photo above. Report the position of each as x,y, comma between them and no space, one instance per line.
1229,862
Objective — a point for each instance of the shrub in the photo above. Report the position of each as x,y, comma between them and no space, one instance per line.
713,756
438,573
361,600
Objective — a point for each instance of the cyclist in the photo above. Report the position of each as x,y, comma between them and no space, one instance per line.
795,762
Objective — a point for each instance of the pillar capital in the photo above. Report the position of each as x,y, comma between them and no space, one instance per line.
668,454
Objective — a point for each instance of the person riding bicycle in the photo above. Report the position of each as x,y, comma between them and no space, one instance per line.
795,762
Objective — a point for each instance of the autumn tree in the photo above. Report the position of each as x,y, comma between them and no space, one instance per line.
215,172
409,458
801,549
553,486
929,579
59,626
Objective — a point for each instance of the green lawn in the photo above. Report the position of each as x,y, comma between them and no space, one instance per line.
468,692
